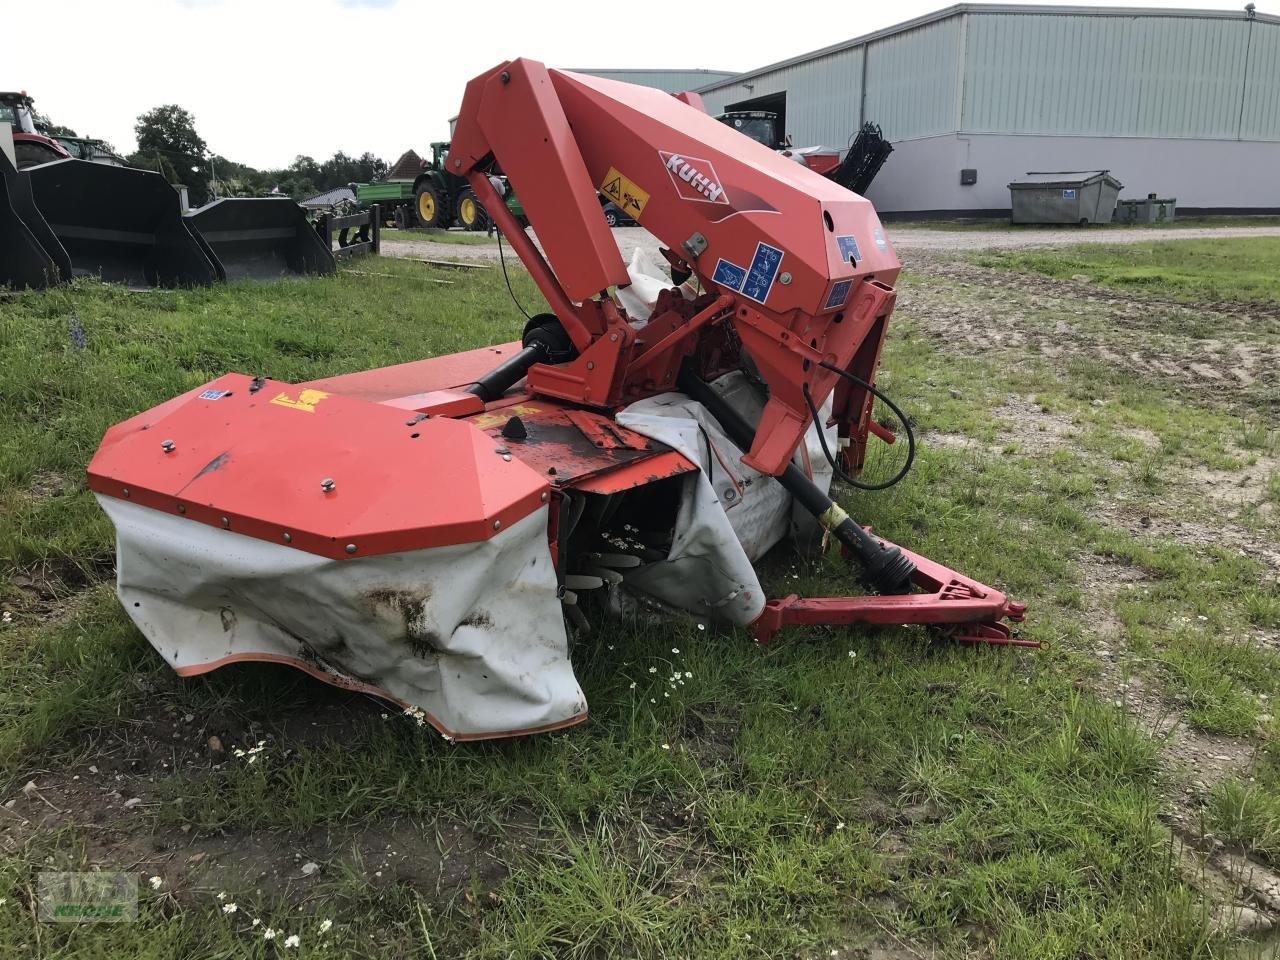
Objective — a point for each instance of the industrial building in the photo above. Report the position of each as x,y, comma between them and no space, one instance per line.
672,81
1181,103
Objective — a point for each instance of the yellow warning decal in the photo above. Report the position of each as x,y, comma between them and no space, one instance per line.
629,197
306,402
486,420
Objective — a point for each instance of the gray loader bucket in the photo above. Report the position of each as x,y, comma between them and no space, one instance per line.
30,255
261,238
121,224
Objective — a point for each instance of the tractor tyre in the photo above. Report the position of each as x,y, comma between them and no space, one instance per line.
471,215
428,206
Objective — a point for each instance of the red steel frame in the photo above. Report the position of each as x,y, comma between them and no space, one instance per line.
557,136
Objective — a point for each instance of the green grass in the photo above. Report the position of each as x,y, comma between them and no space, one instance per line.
1220,269
464,237
782,802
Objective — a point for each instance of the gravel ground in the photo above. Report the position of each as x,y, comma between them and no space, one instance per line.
905,238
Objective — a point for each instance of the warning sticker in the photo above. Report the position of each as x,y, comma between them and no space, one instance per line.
849,252
213,395
624,192
729,275
839,294
306,400
878,236
762,272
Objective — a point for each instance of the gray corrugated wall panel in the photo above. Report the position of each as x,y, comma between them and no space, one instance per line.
1260,119
1110,76
823,96
672,81
911,80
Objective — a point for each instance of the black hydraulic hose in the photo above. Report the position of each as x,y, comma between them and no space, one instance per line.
507,374
822,436
884,568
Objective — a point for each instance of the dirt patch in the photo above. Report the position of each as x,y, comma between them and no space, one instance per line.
976,310
1242,895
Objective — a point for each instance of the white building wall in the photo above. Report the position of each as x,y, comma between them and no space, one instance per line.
1184,104
923,176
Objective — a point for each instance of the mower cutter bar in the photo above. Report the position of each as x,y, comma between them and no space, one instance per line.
973,611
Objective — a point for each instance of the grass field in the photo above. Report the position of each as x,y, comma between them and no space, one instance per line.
392,235
1210,269
843,793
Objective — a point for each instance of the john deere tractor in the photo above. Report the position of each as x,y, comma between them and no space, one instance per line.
430,196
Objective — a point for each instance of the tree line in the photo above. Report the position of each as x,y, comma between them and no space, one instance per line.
169,144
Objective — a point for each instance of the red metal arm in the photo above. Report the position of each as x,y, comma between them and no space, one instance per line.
804,259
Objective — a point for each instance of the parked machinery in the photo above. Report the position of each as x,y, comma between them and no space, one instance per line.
425,531
96,217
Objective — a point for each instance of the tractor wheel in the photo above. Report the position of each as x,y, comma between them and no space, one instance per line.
471,215
611,218
428,206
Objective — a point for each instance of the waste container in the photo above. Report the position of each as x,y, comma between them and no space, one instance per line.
1065,196
1151,210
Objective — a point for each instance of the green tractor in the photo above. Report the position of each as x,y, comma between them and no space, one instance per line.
431,196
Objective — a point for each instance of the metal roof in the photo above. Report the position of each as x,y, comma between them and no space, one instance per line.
650,70
997,8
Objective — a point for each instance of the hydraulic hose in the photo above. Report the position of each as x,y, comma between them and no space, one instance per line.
507,374
884,568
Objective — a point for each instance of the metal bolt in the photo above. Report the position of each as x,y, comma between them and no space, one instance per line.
167,446
505,76
501,451
591,365
182,508
124,491
225,523
288,538
613,337
497,524
784,278
545,495
327,485
351,548
457,163
506,457
730,495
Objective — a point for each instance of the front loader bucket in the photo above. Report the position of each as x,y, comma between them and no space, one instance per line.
262,238
121,224
30,255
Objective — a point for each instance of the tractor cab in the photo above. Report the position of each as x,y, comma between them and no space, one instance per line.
15,110
762,126
29,146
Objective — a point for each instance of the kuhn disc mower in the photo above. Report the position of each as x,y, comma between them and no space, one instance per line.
424,531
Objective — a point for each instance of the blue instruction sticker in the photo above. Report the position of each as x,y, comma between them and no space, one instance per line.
839,294
729,275
848,249
764,269
213,395
878,236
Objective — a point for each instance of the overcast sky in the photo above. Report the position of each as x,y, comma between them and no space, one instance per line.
270,79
